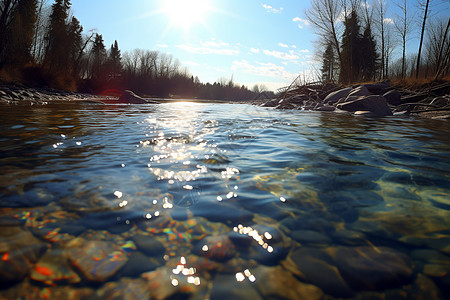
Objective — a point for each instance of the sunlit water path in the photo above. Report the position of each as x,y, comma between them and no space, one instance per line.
190,200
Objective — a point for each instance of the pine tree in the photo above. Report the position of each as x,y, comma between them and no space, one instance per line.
21,31
368,55
75,44
57,54
115,64
328,63
98,54
350,64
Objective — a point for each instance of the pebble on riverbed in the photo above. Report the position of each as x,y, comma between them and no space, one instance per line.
96,260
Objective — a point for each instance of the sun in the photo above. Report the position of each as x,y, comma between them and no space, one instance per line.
186,13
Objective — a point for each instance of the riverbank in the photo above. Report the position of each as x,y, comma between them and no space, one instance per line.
380,99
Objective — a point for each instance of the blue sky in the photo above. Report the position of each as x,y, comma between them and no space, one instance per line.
255,41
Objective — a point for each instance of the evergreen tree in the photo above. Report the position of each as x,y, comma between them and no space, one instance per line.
75,44
328,63
351,54
57,54
98,54
368,55
21,31
115,64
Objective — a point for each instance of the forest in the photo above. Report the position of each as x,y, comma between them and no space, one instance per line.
361,41
45,45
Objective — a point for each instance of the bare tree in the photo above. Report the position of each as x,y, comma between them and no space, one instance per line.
421,36
379,21
403,26
325,16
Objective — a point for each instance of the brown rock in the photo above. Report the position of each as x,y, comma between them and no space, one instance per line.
372,268
97,260
277,283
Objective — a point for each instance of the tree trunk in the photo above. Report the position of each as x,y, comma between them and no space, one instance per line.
421,38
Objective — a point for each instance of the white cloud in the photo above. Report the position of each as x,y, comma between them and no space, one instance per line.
302,22
388,21
283,45
291,55
161,45
254,50
271,9
262,69
210,47
190,63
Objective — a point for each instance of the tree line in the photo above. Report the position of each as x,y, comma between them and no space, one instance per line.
44,44
358,41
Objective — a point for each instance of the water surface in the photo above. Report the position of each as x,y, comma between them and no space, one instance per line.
197,200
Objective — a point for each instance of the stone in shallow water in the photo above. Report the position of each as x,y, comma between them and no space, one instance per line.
277,283
218,248
222,212
19,249
350,237
96,260
139,263
166,283
315,266
125,289
266,244
149,245
310,236
372,268
53,268
228,286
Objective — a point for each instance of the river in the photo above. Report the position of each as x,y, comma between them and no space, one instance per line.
201,200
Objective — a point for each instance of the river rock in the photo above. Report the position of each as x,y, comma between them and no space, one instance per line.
315,266
271,103
19,250
149,245
378,88
334,97
164,283
132,98
372,268
96,260
393,97
222,212
359,91
227,286
218,248
310,237
139,263
375,104
54,268
125,289
278,283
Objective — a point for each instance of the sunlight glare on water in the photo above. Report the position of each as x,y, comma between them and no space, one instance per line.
222,200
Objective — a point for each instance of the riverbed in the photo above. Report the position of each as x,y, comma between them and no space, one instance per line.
214,201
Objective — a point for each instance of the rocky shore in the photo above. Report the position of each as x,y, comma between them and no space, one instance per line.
13,94
379,99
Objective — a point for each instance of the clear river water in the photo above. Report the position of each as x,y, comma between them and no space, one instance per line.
220,201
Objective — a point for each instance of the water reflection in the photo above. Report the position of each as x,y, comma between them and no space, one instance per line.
222,201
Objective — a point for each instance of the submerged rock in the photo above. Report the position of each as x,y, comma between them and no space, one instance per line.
316,267
125,289
372,268
233,286
54,268
96,260
278,283
19,249
149,245
218,248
